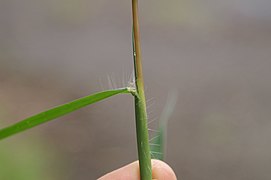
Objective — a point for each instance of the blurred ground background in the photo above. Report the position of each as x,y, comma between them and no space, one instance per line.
216,53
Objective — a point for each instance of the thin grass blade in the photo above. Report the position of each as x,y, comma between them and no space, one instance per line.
59,111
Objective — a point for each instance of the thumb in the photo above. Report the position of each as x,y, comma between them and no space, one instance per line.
160,171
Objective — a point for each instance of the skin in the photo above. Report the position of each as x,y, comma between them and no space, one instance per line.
160,171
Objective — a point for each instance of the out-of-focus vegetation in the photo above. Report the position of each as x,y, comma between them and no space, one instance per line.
26,159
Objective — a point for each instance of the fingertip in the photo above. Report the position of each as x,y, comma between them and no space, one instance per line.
130,171
162,171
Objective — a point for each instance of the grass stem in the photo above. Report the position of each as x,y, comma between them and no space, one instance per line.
144,155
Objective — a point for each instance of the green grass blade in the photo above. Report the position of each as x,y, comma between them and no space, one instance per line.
59,111
158,144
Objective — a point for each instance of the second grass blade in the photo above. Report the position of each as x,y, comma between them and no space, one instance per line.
158,143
